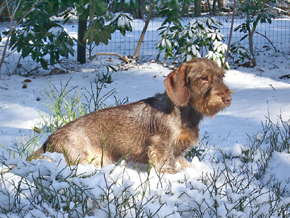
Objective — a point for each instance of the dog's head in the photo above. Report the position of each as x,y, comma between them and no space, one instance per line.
199,84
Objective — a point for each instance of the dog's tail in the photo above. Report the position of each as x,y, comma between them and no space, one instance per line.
34,155
38,153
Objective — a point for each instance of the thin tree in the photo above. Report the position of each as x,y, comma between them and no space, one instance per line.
12,10
257,11
144,29
81,44
197,8
231,33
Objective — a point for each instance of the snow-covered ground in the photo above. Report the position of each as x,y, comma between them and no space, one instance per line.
258,93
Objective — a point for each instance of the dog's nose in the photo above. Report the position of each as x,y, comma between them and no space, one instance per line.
227,100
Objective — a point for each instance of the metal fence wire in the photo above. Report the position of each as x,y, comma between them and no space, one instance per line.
268,36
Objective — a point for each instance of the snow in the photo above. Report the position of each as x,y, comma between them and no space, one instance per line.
56,30
279,161
257,93
122,19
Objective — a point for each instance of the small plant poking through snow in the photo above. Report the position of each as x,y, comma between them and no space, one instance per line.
66,105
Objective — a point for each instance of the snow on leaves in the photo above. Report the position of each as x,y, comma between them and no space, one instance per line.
201,37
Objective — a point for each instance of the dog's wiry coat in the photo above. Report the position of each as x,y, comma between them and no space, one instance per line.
161,128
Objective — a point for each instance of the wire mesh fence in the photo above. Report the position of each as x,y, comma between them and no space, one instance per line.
268,36
272,35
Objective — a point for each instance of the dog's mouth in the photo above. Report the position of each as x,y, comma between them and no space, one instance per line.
219,105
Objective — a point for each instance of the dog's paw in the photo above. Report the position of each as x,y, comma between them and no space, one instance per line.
184,163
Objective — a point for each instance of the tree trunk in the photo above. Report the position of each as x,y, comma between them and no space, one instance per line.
220,4
231,33
81,47
197,8
4,14
12,28
144,30
213,7
252,49
140,9
91,28
185,8
208,7
251,33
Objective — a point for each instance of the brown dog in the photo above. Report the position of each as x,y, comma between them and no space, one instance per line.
158,129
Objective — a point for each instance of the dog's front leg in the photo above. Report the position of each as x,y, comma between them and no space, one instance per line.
162,159
161,155
183,163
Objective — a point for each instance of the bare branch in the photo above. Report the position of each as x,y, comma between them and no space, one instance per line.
12,17
124,58
152,5
231,33
268,40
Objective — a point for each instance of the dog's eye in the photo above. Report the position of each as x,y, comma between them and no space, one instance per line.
205,78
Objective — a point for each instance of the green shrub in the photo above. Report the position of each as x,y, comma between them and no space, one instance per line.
200,38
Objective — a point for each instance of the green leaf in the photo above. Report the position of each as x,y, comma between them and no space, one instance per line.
25,52
43,64
86,36
245,36
168,45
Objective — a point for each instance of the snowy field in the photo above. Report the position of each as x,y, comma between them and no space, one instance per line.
220,183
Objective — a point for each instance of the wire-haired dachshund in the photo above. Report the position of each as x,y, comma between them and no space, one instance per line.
160,129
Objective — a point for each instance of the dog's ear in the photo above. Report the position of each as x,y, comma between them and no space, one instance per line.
176,86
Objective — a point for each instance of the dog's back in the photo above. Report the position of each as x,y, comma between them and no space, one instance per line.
119,131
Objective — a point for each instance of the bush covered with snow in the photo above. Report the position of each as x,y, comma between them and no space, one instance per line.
201,37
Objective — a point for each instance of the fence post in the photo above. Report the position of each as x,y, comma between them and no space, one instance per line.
81,47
